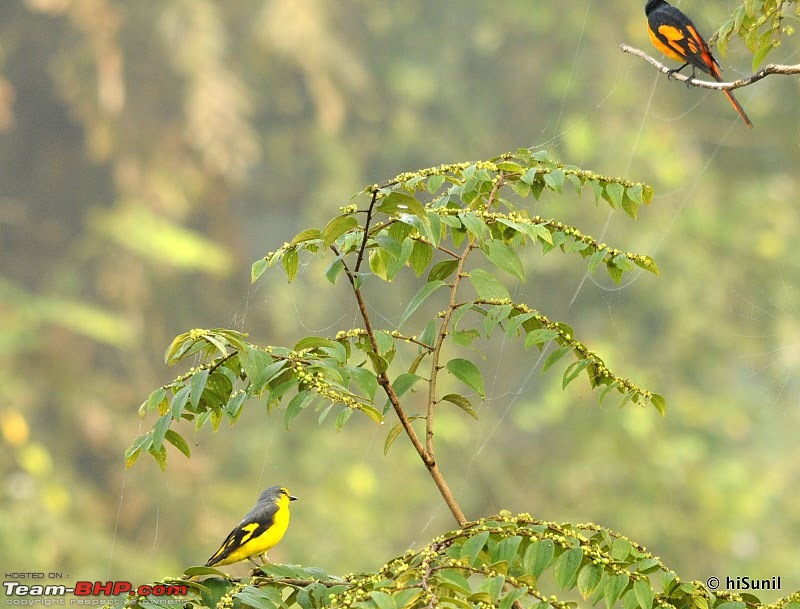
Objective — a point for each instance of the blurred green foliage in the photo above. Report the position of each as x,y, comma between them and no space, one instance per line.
127,128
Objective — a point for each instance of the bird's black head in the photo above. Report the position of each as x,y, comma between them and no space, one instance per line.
653,5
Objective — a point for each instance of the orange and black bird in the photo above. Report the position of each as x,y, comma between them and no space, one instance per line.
674,34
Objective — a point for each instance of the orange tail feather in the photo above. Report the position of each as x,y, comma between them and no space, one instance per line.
738,108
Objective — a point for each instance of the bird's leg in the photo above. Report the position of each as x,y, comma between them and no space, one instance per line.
691,78
255,564
676,70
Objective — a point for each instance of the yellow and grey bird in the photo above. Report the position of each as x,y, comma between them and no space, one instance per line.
261,529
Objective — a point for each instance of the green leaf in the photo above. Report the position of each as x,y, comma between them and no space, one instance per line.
401,203
404,382
506,550
555,356
503,255
529,177
540,336
629,600
614,588
429,334
177,349
255,598
160,455
455,581
758,57
538,557
421,255
595,260
385,342
442,270
365,380
513,595
343,417
468,373
646,263
614,192
179,401
573,370
258,269
565,571
428,289
142,442
660,403
514,321
635,193
473,224
473,546
383,600
309,234
588,578
176,439
379,364
389,245
259,367
462,402
606,391
620,549
234,405
493,586
487,286
291,263
372,413
539,231
554,179
731,604
392,436
198,384
336,228
333,270
649,565
298,402
629,206
644,594
160,429
330,347
435,182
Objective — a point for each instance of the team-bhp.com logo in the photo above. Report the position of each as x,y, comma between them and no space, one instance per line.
18,593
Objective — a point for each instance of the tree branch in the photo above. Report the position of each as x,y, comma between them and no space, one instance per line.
706,84
394,400
437,349
363,247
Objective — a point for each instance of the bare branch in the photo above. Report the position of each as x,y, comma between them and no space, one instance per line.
383,380
366,232
706,84
437,348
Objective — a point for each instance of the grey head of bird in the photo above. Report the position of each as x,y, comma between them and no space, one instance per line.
273,493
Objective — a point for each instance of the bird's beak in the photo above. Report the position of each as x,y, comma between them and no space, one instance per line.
292,498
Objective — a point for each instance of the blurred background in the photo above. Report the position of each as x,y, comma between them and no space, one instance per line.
151,151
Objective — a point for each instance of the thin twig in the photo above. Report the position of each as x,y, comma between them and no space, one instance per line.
437,349
705,84
363,247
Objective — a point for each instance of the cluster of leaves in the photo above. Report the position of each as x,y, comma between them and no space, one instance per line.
760,24
430,222
499,562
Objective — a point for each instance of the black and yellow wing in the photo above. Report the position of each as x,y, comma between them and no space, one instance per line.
248,539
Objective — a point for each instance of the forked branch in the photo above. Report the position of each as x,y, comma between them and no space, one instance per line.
383,380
